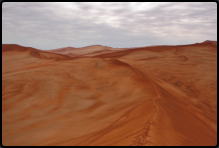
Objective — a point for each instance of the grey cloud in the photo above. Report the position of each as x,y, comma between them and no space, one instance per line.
50,25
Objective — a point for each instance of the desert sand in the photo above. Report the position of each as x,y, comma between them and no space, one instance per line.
98,95
85,51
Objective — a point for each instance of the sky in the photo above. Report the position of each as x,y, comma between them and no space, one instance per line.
46,25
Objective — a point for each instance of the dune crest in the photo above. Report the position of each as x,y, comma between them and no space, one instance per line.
98,95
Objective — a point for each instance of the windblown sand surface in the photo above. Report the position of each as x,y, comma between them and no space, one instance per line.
158,95
86,51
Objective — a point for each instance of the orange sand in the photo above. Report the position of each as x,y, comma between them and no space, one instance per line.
156,95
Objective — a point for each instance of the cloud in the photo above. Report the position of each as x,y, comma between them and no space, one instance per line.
78,24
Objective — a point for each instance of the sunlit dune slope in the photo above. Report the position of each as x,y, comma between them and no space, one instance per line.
86,51
160,95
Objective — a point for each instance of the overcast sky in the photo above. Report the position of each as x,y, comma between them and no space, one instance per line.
120,24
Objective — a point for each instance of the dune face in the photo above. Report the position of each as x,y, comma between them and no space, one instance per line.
86,51
156,95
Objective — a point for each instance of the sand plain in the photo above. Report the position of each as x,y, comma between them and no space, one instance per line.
155,95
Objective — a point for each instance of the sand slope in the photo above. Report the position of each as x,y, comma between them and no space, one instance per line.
86,51
158,95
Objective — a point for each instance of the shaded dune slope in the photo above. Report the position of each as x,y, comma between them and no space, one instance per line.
133,97
34,52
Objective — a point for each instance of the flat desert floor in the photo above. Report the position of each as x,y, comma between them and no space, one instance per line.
97,95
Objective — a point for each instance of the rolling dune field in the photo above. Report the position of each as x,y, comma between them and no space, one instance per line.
100,96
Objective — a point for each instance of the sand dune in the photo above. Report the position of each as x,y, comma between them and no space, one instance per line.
85,51
156,95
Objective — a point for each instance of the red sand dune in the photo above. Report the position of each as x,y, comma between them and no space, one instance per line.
86,51
156,95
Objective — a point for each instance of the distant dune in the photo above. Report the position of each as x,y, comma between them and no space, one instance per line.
98,95
84,50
